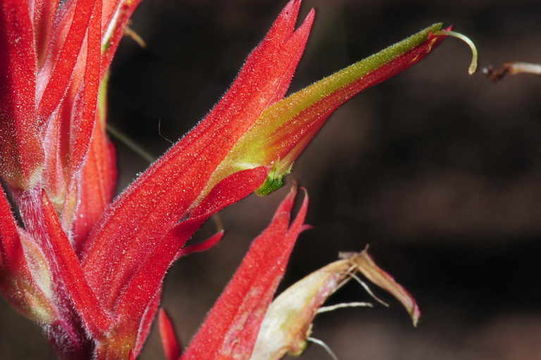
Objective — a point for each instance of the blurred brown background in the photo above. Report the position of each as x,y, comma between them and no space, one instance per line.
438,171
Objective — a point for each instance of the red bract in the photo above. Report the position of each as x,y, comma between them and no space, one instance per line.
89,269
168,335
231,327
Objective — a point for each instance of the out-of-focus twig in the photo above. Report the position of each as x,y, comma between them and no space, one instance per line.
511,68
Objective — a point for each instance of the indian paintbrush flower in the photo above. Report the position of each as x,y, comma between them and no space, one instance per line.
89,269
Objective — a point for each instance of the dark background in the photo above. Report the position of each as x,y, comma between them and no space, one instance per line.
440,172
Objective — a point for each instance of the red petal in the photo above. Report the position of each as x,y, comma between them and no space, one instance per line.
20,149
202,246
44,15
168,335
85,111
297,40
173,185
73,137
69,146
17,283
60,65
118,14
231,327
97,185
146,324
78,111
55,144
149,273
42,222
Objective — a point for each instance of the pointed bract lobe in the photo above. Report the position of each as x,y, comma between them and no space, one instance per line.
17,282
42,223
44,12
168,335
72,146
117,14
97,185
230,329
145,325
69,129
86,107
56,78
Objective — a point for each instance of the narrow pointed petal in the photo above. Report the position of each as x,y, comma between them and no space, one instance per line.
29,288
93,316
20,151
288,322
42,223
87,155
70,129
117,14
127,342
170,343
17,283
55,147
44,16
97,185
202,246
59,66
177,182
146,323
231,327
70,78
298,40
286,128
79,196
85,111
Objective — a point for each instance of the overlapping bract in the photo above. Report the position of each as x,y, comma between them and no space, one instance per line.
245,325
231,327
90,270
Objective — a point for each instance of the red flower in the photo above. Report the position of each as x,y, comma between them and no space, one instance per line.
90,270
244,324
